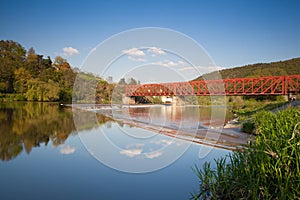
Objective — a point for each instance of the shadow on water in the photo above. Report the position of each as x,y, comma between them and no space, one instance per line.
25,125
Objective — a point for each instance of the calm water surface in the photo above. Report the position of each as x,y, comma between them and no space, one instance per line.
43,157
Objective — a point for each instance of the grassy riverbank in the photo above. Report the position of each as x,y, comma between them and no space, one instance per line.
245,113
268,169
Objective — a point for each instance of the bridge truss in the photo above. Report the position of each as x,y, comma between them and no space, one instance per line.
272,85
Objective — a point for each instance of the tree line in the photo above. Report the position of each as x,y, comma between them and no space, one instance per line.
28,76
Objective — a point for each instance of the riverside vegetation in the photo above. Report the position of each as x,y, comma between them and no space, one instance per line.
268,168
28,76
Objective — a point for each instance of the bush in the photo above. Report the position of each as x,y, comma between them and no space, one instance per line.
269,168
248,127
65,95
20,97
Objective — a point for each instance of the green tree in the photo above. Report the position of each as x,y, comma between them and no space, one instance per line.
31,63
39,66
132,81
12,56
104,91
22,76
32,76
42,91
47,71
66,78
122,81
61,63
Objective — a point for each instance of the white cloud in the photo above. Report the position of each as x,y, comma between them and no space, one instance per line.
163,142
201,69
179,144
135,55
67,149
156,51
187,68
132,150
169,63
137,59
153,154
70,51
207,69
180,62
133,52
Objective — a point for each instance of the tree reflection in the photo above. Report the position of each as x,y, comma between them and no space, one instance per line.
27,125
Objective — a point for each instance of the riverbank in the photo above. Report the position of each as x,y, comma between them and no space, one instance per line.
244,117
267,169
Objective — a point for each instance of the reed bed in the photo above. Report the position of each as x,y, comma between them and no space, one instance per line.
269,168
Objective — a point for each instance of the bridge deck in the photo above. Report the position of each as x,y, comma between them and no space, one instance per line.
271,85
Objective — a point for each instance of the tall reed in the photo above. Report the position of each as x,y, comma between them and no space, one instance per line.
269,168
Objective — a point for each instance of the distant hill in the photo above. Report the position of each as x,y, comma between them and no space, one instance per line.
280,68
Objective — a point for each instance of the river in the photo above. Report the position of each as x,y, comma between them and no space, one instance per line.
52,152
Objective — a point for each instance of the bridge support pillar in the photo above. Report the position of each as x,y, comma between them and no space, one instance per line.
167,99
176,101
128,100
291,97
286,97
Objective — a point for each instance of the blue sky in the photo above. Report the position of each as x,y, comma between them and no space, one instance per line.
234,33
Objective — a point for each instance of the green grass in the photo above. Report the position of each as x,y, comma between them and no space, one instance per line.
269,168
248,127
12,97
251,107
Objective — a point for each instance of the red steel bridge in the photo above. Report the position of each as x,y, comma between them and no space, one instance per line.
271,85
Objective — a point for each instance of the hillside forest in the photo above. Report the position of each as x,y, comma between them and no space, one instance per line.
280,68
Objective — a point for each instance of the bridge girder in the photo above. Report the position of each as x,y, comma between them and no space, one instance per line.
271,85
